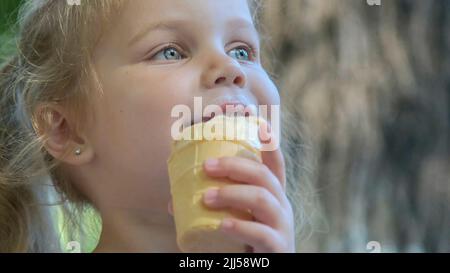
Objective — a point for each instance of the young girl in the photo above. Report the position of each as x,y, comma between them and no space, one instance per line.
87,100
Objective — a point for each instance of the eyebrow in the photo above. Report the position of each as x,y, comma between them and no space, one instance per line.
171,25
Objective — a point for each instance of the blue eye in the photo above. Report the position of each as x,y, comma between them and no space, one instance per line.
241,53
169,54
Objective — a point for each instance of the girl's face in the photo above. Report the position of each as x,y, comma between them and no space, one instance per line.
159,54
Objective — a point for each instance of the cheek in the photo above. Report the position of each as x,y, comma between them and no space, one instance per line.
265,90
136,117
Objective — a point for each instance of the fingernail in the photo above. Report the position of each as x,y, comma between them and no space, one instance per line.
211,196
211,163
227,223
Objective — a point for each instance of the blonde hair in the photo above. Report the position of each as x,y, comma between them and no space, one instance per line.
296,147
53,66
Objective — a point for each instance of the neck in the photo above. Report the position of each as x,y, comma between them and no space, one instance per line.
127,230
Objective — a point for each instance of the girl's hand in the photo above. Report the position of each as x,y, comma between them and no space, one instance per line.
259,187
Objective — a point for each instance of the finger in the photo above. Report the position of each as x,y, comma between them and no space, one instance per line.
262,204
260,237
272,158
246,171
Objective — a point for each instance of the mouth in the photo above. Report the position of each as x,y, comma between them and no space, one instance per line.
230,108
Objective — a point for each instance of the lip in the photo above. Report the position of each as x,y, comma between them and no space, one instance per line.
224,107
224,103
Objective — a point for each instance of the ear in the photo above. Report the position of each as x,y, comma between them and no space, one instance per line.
62,142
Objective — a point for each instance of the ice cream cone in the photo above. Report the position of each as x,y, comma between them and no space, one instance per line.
197,226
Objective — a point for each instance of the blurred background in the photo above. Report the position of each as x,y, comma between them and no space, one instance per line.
370,87
367,89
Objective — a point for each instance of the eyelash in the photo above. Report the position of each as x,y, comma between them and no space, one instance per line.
251,49
169,45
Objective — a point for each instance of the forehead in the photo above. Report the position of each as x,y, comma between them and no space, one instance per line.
138,14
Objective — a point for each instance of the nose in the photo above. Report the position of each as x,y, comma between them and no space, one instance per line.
223,70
